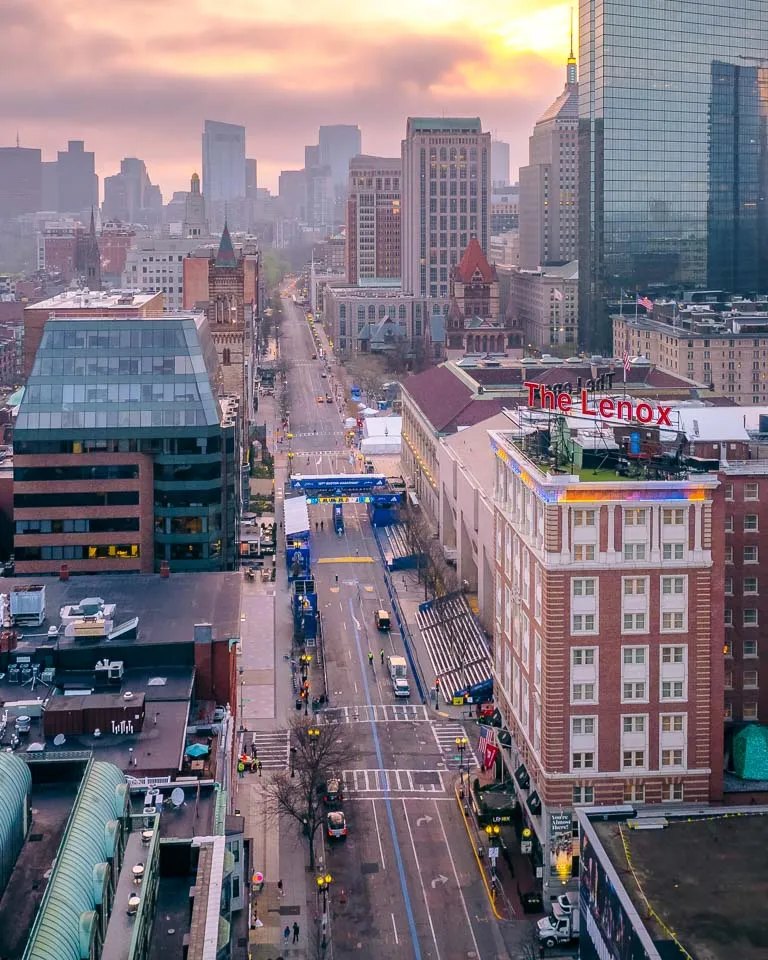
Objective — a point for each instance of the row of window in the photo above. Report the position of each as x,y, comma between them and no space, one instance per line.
93,525
751,491
751,554
79,552
670,622
113,498
750,523
633,517
673,758
633,552
749,680
126,471
630,723
634,792
632,691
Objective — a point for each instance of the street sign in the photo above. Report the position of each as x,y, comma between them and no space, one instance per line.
526,846
458,701
493,853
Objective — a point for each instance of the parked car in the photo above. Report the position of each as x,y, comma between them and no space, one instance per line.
336,823
382,620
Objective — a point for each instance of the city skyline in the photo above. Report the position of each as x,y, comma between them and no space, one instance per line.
80,71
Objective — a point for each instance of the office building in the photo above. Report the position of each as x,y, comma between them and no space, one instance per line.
124,454
115,240
499,164
130,196
446,200
337,144
77,183
293,194
156,265
251,178
608,633
543,304
224,175
373,220
21,178
321,198
549,183
84,304
672,156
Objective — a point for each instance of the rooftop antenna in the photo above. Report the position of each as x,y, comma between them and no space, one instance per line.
570,75
18,143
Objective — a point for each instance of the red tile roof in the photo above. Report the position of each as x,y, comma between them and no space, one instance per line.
474,259
448,404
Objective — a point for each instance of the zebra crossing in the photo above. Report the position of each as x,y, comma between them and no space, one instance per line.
272,748
379,713
395,781
445,735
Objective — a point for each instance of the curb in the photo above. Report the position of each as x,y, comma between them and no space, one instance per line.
480,866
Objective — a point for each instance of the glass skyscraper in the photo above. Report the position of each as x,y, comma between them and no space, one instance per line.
673,154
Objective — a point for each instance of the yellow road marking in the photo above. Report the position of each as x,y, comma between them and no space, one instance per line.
345,560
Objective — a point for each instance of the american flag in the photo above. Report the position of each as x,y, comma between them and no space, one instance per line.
645,302
485,739
625,361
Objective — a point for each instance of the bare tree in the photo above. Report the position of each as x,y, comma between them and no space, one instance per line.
439,575
318,750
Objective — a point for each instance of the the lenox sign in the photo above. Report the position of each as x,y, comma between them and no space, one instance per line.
606,408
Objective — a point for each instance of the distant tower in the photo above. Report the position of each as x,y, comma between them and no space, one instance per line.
88,257
195,222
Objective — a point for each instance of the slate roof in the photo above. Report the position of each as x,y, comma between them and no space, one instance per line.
226,255
474,259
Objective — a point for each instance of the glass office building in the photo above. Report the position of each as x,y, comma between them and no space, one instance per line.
124,456
673,153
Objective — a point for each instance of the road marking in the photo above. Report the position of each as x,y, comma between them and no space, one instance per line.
345,560
458,884
424,819
421,881
378,780
439,879
394,927
381,713
378,833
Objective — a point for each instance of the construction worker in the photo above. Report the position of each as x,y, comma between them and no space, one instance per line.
240,769
370,658
381,654
258,766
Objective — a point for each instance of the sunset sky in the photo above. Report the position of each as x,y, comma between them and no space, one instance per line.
138,77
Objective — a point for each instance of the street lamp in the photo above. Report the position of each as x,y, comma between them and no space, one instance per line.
305,694
305,659
461,746
313,733
293,761
493,830
323,882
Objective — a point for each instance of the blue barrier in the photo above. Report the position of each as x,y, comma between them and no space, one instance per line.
405,633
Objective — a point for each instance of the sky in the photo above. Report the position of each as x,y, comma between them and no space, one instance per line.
139,77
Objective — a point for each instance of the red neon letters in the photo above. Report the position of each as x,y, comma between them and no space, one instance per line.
606,408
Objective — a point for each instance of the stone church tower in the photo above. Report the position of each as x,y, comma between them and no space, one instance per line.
88,257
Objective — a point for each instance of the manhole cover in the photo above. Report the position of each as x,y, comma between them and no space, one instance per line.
369,868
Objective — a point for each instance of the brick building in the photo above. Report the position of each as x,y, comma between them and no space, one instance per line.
608,634
373,220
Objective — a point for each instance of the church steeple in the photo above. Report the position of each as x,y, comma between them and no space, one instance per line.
226,255
571,76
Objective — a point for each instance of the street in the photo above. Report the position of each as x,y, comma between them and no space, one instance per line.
405,881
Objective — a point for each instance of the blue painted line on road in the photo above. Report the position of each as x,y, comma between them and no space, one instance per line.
387,798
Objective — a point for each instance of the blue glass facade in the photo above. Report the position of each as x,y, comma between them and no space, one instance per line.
672,149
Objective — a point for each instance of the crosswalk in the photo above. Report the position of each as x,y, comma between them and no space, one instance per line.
373,781
380,713
446,734
272,748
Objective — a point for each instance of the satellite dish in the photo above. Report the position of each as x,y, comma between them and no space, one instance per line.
97,732
59,740
36,748
177,797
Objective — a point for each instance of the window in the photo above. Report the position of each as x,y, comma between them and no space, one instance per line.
634,793
632,724
729,491
672,585
750,554
634,655
634,586
673,517
582,656
751,491
672,621
671,758
673,792
634,623
672,551
583,552
672,722
583,623
750,585
671,689
729,523
583,518
750,680
635,517
582,760
632,758
750,523
729,554
634,551
583,588
582,692
728,679
729,586
583,795
728,617
749,711
749,647
750,617
634,690
582,725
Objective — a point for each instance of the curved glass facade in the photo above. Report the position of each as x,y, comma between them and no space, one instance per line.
673,153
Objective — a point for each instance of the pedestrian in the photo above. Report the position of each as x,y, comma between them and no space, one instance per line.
287,936
381,654
254,751
258,766
295,932
280,888
241,769
321,524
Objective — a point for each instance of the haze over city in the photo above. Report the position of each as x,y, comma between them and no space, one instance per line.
138,78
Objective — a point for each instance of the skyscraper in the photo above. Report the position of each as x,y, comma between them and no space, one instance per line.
338,143
373,220
549,184
223,161
78,185
446,199
21,177
499,163
131,196
649,100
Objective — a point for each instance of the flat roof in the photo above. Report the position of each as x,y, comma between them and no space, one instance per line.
705,878
196,817
110,300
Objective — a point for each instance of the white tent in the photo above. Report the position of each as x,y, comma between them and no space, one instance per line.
381,436
296,516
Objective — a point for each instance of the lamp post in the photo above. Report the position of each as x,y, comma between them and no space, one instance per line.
304,660
461,746
493,830
306,698
313,733
323,883
293,761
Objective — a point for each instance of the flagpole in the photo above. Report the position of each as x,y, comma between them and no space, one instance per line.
636,301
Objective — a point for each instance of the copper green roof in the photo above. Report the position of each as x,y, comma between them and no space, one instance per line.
226,255
15,784
74,889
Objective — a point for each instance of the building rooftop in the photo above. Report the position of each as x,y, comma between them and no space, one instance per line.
705,878
126,375
565,107
471,448
444,125
107,301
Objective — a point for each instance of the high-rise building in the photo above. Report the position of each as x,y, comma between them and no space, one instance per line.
251,178
663,95
446,199
499,163
78,185
21,177
130,196
548,205
224,176
320,198
337,144
293,193
373,220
